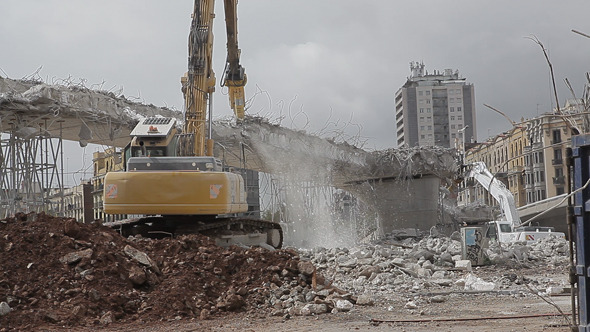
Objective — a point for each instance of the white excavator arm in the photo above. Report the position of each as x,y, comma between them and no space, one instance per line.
498,190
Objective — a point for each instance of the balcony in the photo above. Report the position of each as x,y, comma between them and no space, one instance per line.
559,179
98,188
558,161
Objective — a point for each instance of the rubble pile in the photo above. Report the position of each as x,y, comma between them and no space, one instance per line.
550,251
57,271
434,265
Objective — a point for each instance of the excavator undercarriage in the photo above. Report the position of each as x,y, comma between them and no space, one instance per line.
225,231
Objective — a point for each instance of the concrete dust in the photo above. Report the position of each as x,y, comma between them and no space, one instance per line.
311,170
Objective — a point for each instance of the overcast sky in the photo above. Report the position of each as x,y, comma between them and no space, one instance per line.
321,65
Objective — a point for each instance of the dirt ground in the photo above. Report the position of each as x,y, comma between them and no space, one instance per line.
58,275
360,318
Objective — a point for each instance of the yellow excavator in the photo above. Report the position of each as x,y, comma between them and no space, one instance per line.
172,182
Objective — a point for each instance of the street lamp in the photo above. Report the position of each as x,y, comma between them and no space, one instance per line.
462,131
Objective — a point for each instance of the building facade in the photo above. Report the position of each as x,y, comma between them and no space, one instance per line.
108,161
75,202
529,159
435,109
504,157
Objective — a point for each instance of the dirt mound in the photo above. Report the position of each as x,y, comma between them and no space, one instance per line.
58,271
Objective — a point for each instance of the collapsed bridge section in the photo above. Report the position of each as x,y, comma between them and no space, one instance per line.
401,185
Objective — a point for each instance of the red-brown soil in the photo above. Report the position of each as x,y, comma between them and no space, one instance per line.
55,271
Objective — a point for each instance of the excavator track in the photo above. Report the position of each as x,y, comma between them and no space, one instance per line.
225,231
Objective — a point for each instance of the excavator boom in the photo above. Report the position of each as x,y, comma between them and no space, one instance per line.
235,74
198,83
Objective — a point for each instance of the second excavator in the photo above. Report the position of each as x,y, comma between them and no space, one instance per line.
172,182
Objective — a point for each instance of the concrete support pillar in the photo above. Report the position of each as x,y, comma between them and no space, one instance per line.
401,204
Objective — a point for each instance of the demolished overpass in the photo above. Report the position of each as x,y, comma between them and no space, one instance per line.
401,184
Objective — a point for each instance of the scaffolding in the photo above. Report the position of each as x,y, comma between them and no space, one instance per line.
31,175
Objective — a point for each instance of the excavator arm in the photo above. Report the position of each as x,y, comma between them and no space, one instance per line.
498,190
198,83
235,75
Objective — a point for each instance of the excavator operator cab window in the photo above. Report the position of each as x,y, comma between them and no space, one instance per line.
492,233
149,152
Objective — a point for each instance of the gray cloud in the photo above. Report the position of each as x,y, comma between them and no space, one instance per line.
320,64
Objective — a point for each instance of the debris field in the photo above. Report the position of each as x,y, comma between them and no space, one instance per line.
57,272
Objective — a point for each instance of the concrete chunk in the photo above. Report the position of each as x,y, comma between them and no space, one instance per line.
75,257
4,308
464,265
140,257
344,305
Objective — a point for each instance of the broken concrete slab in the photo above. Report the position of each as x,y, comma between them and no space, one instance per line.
464,265
75,257
110,118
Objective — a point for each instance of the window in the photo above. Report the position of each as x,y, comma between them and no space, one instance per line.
421,110
459,109
458,100
459,117
428,101
452,109
420,93
429,127
452,100
428,110
558,172
556,136
453,135
505,228
557,155
427,93
421,127
452,118
421,119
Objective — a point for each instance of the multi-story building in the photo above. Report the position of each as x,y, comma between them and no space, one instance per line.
503,156
108,161
74,202
529,158
435,109
546,174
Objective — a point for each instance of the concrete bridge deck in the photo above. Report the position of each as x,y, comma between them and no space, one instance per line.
79,114
551,212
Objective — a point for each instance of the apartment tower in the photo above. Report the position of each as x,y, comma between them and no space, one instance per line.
435,109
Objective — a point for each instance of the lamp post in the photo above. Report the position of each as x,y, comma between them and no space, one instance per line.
462,131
